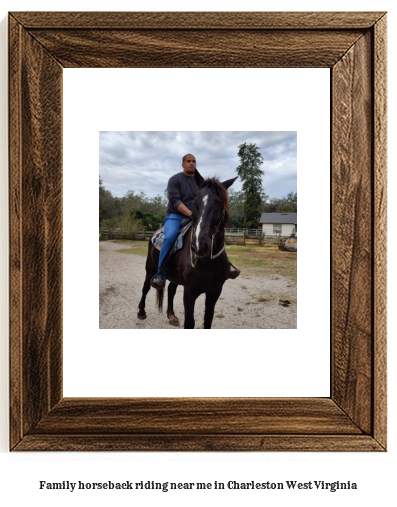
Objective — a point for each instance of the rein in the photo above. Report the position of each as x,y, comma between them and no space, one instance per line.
193,263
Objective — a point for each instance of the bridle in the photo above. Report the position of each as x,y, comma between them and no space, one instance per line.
193,263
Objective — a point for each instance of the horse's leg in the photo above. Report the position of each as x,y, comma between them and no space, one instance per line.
151,267
145,290
172,318
189,300
210,301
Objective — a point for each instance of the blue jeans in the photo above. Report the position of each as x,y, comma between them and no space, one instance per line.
172,225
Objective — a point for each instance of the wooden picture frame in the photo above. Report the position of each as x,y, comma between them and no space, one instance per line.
353,46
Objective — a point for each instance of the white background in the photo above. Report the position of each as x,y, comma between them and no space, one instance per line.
20,473
260,363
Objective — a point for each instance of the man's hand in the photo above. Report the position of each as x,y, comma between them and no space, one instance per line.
184,210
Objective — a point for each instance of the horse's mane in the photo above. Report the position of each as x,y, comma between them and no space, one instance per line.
215,184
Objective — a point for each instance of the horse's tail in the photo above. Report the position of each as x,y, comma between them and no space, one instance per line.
159,299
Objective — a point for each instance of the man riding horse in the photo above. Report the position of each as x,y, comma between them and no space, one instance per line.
182,190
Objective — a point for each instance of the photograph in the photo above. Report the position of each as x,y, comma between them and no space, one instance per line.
223,228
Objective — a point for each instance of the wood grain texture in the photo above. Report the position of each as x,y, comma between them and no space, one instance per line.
380,229
353,45
229,416
15,225
204,443
196,48
202,20
352,232
36,231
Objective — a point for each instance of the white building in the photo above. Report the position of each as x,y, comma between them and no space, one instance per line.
281,224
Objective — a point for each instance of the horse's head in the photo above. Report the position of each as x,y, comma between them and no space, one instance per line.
211,208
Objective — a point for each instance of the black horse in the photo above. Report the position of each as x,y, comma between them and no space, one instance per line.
201,265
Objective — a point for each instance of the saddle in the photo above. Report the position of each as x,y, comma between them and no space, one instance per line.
158,236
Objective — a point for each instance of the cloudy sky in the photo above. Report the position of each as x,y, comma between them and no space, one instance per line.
144,161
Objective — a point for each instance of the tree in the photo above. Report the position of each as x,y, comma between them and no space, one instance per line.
131,212
236,206
107,207
286,204
251,175
151,221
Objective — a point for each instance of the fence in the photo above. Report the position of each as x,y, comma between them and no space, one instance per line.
232,236
248,232
118,234
266,238
242,236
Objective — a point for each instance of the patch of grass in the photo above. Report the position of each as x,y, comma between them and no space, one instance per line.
263,261
133,247
220,316
134,251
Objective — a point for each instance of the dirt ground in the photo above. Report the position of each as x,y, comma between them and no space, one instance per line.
251,301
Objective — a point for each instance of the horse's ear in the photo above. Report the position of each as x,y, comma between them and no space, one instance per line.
199,179
229,183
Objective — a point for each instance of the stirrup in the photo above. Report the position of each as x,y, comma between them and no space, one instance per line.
234,274
160,282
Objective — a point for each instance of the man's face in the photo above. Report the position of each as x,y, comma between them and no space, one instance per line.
189,165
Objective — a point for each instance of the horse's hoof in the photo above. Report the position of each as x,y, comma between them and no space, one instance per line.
142,317
174,321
